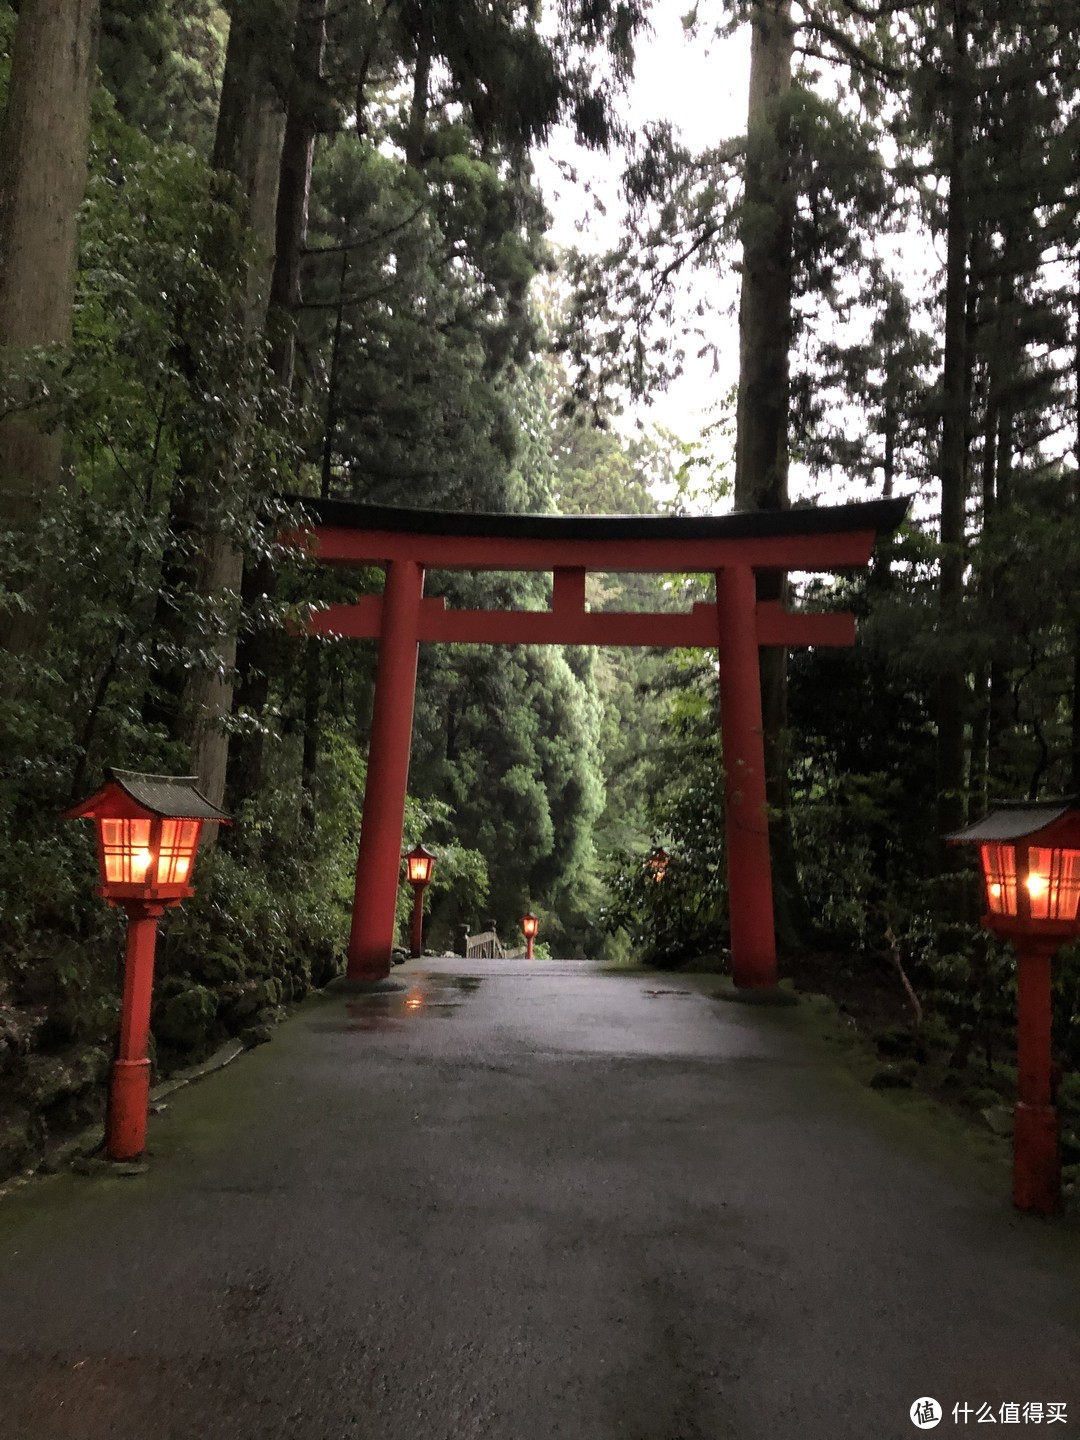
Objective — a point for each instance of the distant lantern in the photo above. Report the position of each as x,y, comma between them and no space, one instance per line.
420,862
530,928
1030,856
657,863
147,829
419,867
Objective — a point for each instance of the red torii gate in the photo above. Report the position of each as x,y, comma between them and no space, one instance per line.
407,543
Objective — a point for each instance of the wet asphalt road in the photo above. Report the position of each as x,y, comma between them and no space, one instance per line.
528,1202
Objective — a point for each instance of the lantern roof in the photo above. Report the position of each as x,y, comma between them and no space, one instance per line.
1017,819
173,797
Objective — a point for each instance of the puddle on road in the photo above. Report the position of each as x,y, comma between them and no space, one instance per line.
388,1010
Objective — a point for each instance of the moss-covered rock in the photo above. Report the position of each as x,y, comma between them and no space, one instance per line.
900,1076
46,1080
900,1042
186,1019
219,968
17,1030
268,994
17,1145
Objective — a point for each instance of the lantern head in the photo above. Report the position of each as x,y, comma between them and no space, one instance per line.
148,829
657,863
419,864
530,926
1030,854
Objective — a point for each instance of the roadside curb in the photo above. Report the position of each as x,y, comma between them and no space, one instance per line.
80,1152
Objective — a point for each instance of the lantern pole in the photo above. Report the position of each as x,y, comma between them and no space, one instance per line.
129,1090
147,829
1036,1147
416,930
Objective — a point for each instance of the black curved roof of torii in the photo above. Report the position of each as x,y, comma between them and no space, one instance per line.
882,516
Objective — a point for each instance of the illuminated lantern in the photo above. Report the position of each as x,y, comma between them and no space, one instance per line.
530,927
657,863
147,829
419,866
420,863
1030,856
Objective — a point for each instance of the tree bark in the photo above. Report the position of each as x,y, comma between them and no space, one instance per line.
255,649
761,445
1074,746
313,666
951,700
248,145
42,181
298,149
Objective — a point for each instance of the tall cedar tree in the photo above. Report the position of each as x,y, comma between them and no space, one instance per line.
42,179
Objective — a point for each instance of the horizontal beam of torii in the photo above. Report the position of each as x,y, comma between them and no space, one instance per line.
569,623
735,548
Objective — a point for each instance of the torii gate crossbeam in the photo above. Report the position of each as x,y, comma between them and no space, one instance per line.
408,543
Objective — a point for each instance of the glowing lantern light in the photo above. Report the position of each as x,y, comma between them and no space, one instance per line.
420,862
530,928
657,863
419,867
1030,855
147,829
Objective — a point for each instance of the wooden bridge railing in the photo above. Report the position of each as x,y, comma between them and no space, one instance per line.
488,946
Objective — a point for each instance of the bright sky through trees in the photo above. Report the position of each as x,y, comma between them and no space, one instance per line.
700,86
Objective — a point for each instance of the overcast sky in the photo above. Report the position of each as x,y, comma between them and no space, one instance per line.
700,86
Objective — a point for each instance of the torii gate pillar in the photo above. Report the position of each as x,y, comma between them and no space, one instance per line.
750,900
378,864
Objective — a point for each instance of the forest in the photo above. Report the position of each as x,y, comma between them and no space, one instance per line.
289,248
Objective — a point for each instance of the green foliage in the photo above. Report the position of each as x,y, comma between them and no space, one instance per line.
685,913
162,62
423,399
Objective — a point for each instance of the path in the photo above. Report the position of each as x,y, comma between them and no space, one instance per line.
522,1202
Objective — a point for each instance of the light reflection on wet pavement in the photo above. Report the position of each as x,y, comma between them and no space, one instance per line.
546,1007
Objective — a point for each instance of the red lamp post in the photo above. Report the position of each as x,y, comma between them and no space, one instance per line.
657,862
530,927
148,829
419,866
1030,854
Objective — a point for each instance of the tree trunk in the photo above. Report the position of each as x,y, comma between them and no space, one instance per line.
416,130
1074,747
42,182
951,701
298,148
255,649
980,707
248,145
761,446
313,655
